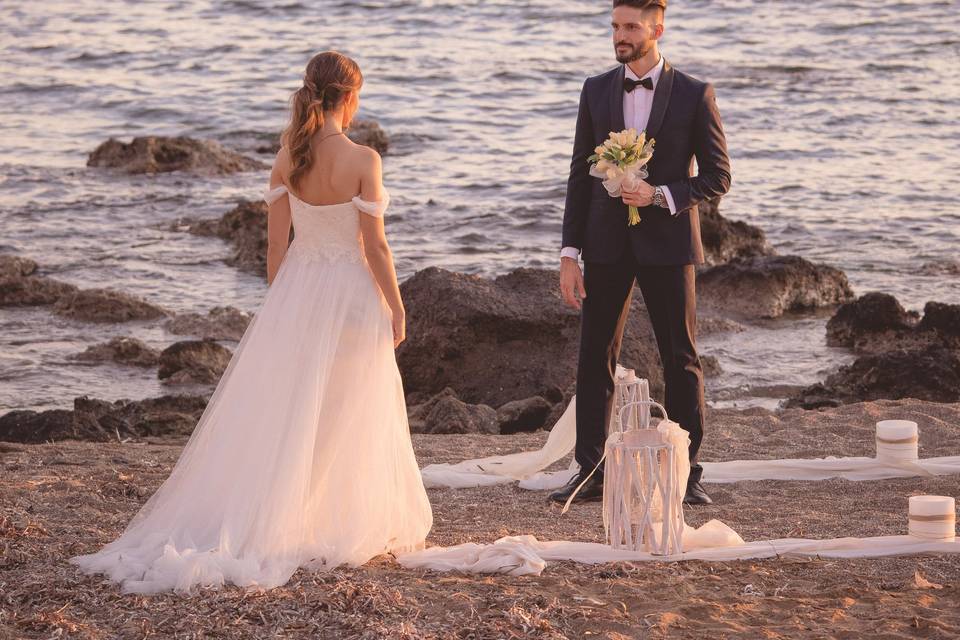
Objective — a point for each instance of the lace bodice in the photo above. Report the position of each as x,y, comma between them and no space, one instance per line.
327,233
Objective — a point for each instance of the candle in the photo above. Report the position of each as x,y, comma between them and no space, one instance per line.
897,440
933,518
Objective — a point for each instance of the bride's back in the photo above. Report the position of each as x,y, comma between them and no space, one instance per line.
335,174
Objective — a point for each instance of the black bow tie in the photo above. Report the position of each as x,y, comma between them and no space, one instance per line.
629,84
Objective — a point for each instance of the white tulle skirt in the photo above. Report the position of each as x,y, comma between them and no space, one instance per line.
302,458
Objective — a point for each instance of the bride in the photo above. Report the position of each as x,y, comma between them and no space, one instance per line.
303,456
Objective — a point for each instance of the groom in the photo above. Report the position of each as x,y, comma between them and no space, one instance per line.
659,254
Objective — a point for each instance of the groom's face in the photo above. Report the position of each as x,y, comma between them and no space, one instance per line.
635,31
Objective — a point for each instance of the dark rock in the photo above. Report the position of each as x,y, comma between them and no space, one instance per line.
123,351
711,366
445,413
769,286
220,323
506,339
365,132
174,415
20,287
193,361
942,321
929,373
102,421
940,268
708,325
106,305
816,396
35,427
724,239
523,415
16,267
554,416
246,227
159,154
876,322
872,322
32,291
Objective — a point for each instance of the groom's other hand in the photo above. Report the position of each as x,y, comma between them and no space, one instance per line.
571,282
642,197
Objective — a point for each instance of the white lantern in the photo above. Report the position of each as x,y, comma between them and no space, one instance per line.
628,389
642,499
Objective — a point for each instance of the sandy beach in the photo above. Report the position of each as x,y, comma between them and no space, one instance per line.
68,498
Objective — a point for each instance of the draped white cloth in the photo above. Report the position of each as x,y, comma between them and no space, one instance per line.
303,455
525,555
826,468
527,466
522,555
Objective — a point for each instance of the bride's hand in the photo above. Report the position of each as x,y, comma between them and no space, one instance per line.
399,328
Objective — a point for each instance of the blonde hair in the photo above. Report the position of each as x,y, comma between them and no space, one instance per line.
328,79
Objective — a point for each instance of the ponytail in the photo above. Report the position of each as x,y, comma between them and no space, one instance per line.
329,77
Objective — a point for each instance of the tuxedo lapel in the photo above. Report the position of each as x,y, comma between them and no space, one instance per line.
661,98
616,101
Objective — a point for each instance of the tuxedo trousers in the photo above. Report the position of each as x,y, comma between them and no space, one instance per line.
669,293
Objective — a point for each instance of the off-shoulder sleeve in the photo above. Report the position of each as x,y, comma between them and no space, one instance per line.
272,195
375,209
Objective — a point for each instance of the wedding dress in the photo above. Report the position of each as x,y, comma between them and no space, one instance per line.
303,455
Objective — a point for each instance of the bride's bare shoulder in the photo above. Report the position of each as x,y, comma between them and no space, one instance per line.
364,155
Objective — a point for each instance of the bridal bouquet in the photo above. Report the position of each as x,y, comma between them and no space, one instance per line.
621,162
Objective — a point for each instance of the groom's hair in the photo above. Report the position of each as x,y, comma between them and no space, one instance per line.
642,4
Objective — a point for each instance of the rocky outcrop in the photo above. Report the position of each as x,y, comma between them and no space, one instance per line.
496,341
904,357
529,414
870,323
122,351
220,323
245,226
711,366
193,362
941,323
21,287
724,239
711,324
365,132
159,154
445,413
16,266
101,421
769,286
106,305
925,373
877,322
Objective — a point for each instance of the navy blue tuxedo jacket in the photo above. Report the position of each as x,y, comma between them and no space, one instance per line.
685,123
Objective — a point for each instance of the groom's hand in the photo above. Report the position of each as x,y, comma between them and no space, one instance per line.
642,197
571,282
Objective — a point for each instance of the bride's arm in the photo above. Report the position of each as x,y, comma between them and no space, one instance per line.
375,245
278,219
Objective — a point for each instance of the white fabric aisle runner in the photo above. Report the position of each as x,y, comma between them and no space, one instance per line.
527,466
825,468
525,555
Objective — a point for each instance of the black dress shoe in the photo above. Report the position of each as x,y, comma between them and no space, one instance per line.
696,495
592,491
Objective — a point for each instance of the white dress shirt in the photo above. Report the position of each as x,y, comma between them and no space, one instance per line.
636,113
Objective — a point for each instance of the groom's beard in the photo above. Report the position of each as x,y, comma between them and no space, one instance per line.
635,52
